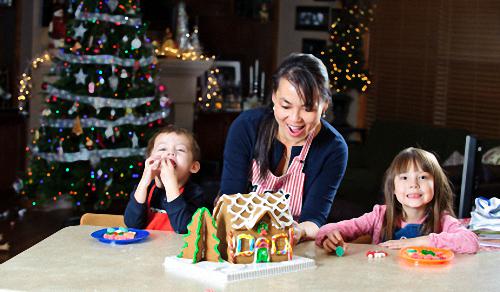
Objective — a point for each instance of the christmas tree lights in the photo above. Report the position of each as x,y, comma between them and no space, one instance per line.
99,113
345,55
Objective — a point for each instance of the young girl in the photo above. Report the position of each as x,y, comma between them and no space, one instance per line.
418,210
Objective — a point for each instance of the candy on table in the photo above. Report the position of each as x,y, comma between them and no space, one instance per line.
120,233
425,254
339,251
376,254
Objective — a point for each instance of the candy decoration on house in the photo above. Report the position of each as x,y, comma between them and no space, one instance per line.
100,112
345,55
201,242
254,228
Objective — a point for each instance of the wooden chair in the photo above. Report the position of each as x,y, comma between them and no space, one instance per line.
106,220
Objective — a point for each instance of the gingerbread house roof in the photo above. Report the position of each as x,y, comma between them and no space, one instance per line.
247,209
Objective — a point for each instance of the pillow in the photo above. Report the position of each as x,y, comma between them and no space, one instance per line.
491,164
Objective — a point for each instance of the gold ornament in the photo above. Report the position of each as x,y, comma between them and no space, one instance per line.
77,126
76,47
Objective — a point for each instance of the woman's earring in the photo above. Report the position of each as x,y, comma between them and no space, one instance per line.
323,115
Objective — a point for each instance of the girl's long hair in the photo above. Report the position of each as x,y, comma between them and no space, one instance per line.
441,203
309,77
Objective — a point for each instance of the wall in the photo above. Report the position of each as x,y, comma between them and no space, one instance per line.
289,39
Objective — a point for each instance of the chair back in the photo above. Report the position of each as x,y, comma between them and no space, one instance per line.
106,220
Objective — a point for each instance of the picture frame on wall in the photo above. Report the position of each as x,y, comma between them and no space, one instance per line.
313,46
312,18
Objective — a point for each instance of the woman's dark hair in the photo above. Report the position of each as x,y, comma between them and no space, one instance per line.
309,77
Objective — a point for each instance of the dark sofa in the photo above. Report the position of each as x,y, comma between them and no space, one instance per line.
361,187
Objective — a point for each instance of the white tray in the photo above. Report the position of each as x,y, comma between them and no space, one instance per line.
226,272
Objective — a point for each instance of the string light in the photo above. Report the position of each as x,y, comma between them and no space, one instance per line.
25,84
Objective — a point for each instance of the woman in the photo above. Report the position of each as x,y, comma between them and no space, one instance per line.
288,147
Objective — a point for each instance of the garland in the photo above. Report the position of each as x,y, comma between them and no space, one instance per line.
103,59
124,20
93,122
85,154
98,102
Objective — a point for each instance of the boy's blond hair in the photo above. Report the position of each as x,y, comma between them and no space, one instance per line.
195,148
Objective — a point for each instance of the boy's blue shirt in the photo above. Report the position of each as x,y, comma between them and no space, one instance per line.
179,210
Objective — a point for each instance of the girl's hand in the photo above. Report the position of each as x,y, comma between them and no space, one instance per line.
332,240
398,244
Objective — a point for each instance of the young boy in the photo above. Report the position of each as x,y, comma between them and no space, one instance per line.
165,199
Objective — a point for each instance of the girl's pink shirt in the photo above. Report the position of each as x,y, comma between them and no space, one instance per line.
454,236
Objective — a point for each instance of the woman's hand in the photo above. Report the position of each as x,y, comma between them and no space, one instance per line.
298,233
332,240
304,231
397,244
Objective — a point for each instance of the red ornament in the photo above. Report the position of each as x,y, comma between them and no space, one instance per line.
44,86
161,87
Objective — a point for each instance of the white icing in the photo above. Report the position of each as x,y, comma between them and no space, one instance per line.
255,206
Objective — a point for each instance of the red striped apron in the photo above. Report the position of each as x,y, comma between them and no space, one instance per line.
291,183
157,220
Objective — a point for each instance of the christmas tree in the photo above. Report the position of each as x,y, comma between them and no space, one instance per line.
101,111
345,55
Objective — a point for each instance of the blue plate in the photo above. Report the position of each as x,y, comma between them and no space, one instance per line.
139,235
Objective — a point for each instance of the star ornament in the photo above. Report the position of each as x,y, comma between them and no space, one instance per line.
79,31
80,77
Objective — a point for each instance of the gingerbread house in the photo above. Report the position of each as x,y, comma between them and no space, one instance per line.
254,228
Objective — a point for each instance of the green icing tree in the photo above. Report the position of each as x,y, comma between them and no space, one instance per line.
201,242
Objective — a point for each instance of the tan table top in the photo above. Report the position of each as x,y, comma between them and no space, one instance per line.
72,260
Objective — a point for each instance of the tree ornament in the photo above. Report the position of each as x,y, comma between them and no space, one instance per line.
94,158
80,31
60,150
89,142
75,47
124,74
80,77
112,4
136,65
77,127
164,101
135,141
112,112
91,87
113,82
73,109
46,112
128,111
136,43
36,136
109,132
103,39
124,39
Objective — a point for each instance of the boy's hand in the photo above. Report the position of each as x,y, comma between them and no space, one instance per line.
401,243
151,169
332,240
168,176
